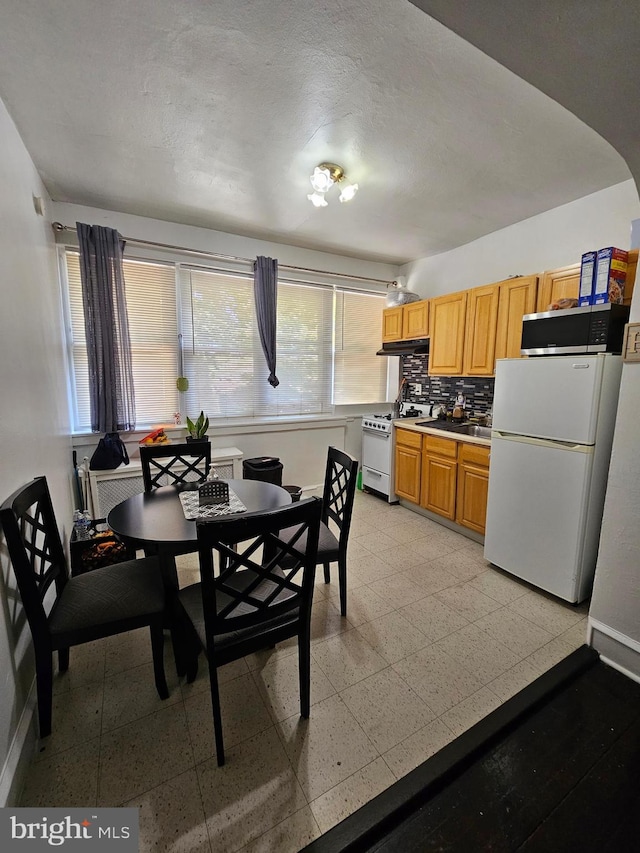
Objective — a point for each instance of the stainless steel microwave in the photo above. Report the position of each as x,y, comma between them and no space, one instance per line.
593,328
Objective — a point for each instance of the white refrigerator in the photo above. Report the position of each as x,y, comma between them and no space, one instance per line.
553,422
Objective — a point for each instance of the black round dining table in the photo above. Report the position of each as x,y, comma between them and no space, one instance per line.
155,521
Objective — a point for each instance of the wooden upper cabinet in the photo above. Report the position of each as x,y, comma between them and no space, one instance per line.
631,276
415,319
563,283
480,333
447,326
517,298
392,324
406,321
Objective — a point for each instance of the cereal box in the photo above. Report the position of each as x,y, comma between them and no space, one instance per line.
610,277
587,273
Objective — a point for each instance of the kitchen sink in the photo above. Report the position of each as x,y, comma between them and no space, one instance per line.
460,429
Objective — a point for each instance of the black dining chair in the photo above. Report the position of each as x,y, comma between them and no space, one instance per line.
262,595
64,611
173,464
337,507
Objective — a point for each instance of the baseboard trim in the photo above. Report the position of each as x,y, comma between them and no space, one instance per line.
21,751
445,522
622,669
615,649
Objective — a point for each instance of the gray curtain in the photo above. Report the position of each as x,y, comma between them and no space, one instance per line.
111,390
265,292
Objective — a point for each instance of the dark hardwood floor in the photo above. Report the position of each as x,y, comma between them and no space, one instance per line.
556,768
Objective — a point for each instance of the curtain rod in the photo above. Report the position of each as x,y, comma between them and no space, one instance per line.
58,227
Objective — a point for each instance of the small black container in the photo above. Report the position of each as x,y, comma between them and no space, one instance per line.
265,468
295,492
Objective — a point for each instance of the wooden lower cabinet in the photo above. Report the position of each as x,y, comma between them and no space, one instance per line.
439,485
439,466
408,458
445,476
472,486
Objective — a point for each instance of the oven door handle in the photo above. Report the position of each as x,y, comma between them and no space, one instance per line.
376,432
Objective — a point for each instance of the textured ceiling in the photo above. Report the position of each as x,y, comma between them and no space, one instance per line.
584,55
215,113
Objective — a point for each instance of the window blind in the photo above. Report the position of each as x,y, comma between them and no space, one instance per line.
224,360
218,343
153,328
360,375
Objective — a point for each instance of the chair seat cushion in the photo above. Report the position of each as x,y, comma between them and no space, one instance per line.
328,545
109,595
191,600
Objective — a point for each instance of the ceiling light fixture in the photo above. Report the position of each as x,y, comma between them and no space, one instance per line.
324,177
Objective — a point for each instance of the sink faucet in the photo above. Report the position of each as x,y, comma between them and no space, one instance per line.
488,417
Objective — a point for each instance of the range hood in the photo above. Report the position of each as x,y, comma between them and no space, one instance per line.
419,346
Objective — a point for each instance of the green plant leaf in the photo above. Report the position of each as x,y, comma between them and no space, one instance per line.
199,427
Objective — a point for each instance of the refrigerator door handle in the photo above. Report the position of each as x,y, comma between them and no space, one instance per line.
543,442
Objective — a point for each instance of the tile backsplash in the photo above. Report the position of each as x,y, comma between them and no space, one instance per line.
478,392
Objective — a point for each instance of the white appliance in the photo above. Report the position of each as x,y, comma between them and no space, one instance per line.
104,489
377,455
553,422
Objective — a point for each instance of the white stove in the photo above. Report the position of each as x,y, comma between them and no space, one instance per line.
381,423
377,455
377,452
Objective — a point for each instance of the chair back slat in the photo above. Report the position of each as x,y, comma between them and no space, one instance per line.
262,576
339,490
170,464
35,549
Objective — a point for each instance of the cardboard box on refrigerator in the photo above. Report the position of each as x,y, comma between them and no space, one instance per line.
587,276
610,276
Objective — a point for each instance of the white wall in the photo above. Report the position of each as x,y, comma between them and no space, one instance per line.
34,429
616,593
203,239
545,242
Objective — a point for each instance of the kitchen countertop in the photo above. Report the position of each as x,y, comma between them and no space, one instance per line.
412,424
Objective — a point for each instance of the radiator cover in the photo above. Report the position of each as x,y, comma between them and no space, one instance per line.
105,489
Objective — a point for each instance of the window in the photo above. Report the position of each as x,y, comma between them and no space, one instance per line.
360,375
327,339
153,328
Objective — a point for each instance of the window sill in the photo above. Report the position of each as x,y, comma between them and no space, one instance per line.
226,426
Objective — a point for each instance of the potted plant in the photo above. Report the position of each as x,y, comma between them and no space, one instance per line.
198,429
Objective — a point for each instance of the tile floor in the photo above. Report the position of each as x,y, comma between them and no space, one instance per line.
434,639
